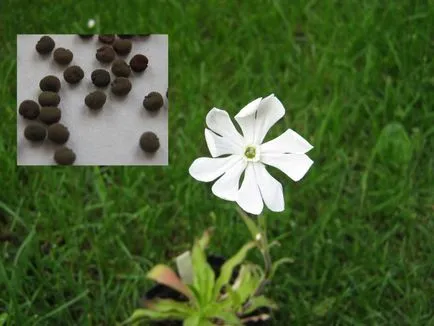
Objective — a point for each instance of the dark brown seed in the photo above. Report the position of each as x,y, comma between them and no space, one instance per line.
139,63
35,132
125,36
107,38
149,142
153,101
100,77
122,47
58,133
62,56
45,45
50,83
105,54
50,115
29,109
120,68
121,86
64,156
95,100
85,36
49,99
73,74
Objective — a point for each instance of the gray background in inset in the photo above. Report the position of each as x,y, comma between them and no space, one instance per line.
106,137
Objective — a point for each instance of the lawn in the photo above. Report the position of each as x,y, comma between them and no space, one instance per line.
356,78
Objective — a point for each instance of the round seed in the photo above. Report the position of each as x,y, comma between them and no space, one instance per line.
50,83
45,45
149,142
153,101
121,86
105,54
107,38
62,56
95,100
49,99
73,74
29,109
35,132
58,133
50,115
120,68
64,156
139,63
122,47
100,77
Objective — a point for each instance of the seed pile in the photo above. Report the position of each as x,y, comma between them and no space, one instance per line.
48,113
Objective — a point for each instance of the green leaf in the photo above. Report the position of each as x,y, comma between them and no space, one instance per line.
234,298
259,302
253,228
322,308
203,274
229,265
141,314
3,318
169,305
165,275
248,281
276,264
204,240
192,321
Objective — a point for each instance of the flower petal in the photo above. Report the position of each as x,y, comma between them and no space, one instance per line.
246,120
270,110
271,189
219,121
227,186
294,166
288,142
208,169
218,145
249,196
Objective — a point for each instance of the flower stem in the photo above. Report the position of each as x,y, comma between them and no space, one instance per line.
265,250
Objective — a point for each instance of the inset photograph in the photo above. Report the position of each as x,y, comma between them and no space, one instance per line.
92,99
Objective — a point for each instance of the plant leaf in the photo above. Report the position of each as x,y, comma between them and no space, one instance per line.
259,302
165,275
3,318
204,240
192,321
229,265
203,274
251,225
276,264
169,305
248,281
141,314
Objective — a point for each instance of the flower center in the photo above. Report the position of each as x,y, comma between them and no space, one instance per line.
251,153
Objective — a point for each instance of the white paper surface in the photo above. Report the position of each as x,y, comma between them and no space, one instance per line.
111,135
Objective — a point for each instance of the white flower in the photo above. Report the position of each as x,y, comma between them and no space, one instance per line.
248,154
91,23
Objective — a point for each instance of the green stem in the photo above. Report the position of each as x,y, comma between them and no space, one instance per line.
265,250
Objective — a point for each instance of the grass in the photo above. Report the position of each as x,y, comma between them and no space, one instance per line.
356,78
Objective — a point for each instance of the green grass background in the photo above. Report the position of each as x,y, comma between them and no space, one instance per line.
357,80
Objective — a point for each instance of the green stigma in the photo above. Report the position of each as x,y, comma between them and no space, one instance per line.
250,152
